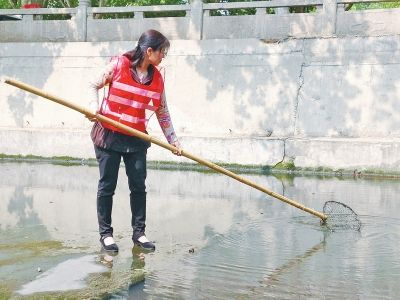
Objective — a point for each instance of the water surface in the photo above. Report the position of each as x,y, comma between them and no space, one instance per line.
215,238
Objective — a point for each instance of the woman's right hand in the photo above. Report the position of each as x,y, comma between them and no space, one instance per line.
177,145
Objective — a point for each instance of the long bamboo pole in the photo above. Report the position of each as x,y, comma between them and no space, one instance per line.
167,146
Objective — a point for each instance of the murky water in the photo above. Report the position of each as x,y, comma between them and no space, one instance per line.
215,238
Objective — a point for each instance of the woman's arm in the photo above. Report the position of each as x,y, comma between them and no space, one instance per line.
98,82
164,119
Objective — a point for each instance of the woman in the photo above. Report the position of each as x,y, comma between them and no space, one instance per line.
135,87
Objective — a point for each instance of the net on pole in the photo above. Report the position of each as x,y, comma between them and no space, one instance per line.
340,216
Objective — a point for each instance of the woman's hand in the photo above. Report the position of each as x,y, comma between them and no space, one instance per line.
92,118
177,145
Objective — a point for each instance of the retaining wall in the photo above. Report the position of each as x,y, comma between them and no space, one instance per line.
331,102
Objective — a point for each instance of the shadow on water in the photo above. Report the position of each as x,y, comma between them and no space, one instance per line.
215,238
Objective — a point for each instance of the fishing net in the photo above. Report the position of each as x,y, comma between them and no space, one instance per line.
340,217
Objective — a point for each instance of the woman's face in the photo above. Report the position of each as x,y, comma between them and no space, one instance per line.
155,57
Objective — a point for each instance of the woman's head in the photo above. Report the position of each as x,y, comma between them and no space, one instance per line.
152,45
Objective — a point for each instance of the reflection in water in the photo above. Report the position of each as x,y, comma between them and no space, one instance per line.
136,288
273,279
215,238
21,213
292,263
106,258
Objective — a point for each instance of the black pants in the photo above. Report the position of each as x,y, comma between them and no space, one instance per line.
135,167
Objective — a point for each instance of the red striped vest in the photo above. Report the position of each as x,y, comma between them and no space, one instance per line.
128,100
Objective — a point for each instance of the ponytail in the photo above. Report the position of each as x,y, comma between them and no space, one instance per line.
149,39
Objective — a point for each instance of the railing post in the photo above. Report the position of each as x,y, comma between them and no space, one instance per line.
282,10
81,20
330,14
139,15
260,24
196,20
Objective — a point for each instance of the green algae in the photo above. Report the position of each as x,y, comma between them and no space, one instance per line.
35,246
284,167
20,157
29,250
99,286
5,291
102,284
55,160
47,296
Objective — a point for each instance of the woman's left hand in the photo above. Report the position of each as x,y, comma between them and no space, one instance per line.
177,145
92,117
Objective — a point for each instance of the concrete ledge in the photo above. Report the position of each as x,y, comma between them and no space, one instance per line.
345,153
46,142
234,150
77,143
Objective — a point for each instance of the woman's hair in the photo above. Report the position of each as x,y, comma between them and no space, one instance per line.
150,38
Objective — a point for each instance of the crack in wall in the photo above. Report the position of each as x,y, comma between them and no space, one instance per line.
300,85
284,152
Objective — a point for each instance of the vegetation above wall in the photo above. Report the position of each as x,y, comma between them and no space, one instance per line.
16,4
9,4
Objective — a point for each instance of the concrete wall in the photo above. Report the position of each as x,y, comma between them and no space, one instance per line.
319,102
